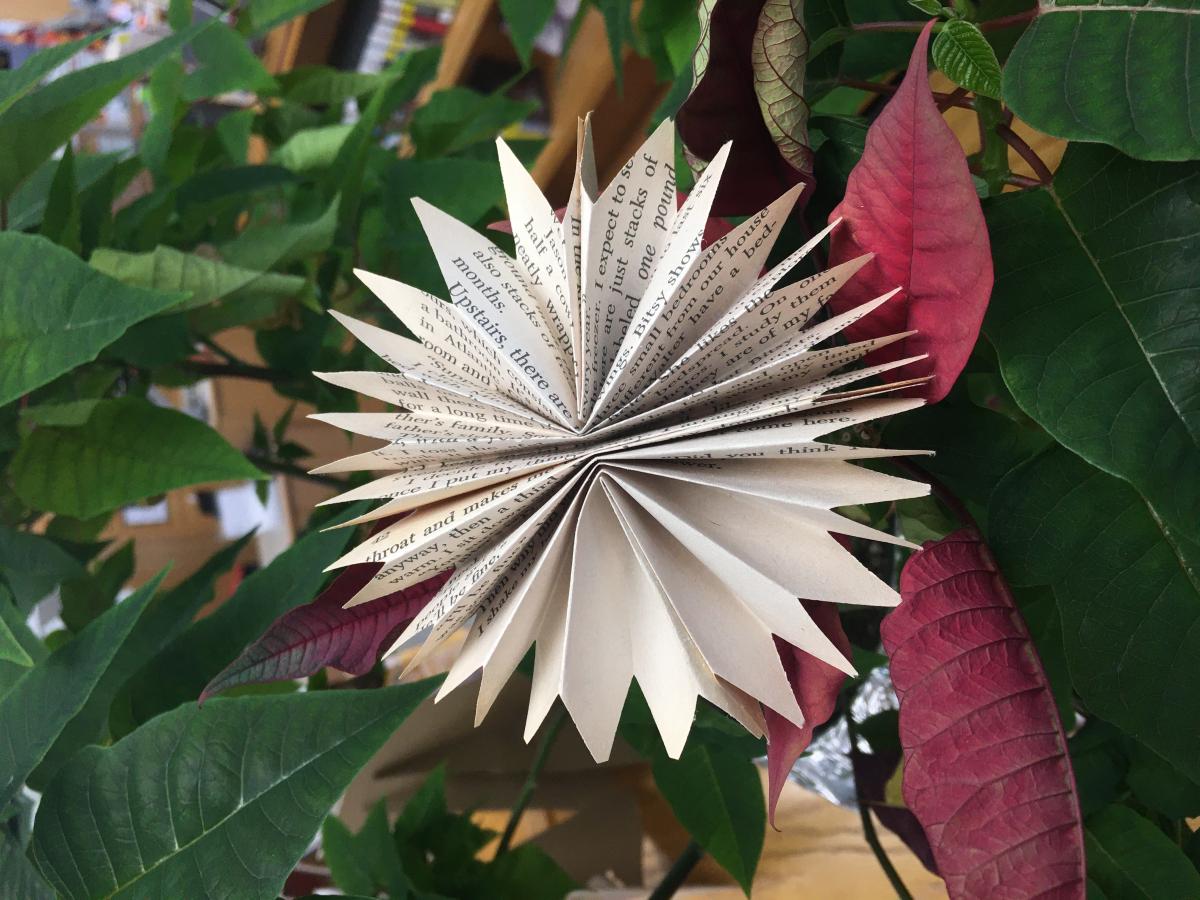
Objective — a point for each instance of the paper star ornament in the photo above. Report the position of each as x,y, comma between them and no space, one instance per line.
620,441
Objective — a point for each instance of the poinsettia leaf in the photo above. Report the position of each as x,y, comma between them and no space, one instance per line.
201,279
1131,859
1121,75
36,344
963,54
1095,318
986,767
241,787
127,450
179,671
1126,588
717,796
816,685
724,106
42,120
911,202
322,633
778,55
525,20
49,695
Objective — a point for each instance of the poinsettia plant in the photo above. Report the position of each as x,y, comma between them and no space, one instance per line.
1024,176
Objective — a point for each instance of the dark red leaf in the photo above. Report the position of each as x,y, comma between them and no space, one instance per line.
910,201
986,767
724,106
304,640
816,685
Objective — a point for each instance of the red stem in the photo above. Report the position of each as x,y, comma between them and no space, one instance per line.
1026,153
990,25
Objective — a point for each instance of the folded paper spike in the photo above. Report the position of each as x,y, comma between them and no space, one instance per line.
617,440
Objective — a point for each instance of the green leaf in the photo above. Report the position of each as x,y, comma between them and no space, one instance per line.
128,449
313,148
266,14
406,76
241,787
1127,589
83,599
1118,74
183,666
78,312
33,565
1128,857
61,221
162,96
1094,318
975,447
267,246
10,647
38,707
33,127
530,873
226,64
366,862
73,412
1157,784
929,7
202,279
22,881
616,25
168,616
17,83
459,117
965,57
325,86
233,131
525,20
27,205
1099,762
717,796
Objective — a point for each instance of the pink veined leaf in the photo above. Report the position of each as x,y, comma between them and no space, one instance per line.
308,638
910,201
724,105
816,685
986,768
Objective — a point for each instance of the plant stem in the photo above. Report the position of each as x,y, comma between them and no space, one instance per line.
283,468
868,825
1027,153
530,785
233,370
990,25
223,353
679,871
944,100
993,158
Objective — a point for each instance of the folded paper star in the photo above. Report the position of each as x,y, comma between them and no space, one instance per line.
620,439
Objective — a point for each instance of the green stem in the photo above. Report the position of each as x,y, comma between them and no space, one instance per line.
868,825
283,468
679,871
232,370
531,780
993,160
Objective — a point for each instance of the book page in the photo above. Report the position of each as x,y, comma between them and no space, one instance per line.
462,343
624,231
487,287
685,305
